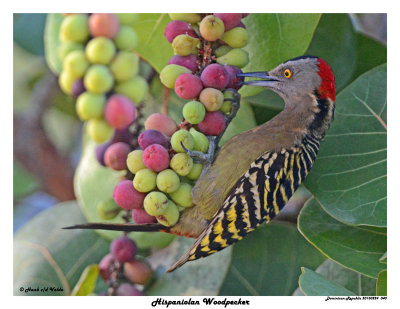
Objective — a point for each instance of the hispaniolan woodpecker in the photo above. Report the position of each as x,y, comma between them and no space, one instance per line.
256,172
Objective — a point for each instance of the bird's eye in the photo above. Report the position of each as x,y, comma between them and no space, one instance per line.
287,73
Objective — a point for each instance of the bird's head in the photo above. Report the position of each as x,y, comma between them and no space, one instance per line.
298,77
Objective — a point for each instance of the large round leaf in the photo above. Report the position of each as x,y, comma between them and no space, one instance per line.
52,41
94,184
46,256
201,277
274,38
350,246
268,261
349,176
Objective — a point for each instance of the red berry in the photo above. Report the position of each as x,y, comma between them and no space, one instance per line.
103,24
189,62
126,289
215,76
177,27
120,112
162,123
123,249
150,137
212,124
188,86
115,156
140,216
105,266
127,197
234,80
156,157
230,19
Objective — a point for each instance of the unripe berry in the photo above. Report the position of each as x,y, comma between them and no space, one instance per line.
184,137
90,105
168,181
170,216
66,81
155,203
212,99
134,162
182,164
99,130
194,112
188,17
237,57
65,48
185,45
108,209
183,196
75,28
145,180
195,172
126,39
236,37
201,142
170,73
100,50
75,63
135,88
211,28
124,66
98,79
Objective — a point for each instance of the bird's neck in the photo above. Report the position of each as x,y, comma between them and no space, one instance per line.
304,116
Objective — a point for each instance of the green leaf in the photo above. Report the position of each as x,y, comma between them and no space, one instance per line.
381,283
349,176
350,246
346,278
313,284
370,53
87,281
52,41
153,46
200,277
23,183
45,255
28,31
93,184
335,41
275,38
243,121
383,258
268,260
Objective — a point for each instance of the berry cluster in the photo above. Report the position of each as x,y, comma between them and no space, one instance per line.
122,270
100,69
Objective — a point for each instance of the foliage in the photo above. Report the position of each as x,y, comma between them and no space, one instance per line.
340,246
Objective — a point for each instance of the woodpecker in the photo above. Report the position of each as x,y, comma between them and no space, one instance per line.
255,173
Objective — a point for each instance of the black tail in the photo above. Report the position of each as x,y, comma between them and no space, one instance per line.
123,227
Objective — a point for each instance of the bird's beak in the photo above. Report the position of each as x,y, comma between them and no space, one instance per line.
265,81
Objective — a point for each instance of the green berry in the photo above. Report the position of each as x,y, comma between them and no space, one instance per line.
66,80
100,50
188,17
134,161
135,88
170,73
222,50
155,203
108,209
201,141
237,57
194,112
145,180
127,18
183,196
90,105
75,63
170,216
184,137
185,45
75,28
98,79
168,181
195,172
236,37
212,99
124,66
181,163
65,48
226,107
126,39
99,130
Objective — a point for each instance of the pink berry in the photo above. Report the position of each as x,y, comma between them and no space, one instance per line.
156,157
215,76
100,151
123,135
120,112
188,86
115,156
177,27
127,197
189,62
103,24
126,289
105,266
161,123
123,249
230,19
213,123
234,80
150,137
140,216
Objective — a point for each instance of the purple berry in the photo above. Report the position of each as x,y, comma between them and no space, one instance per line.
215,76
124,136
156,157
127,197
140,216
126,289
100,150
115,156
105,266
149,137
234,80
78,88
123,249
189,62
230,19
177,27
